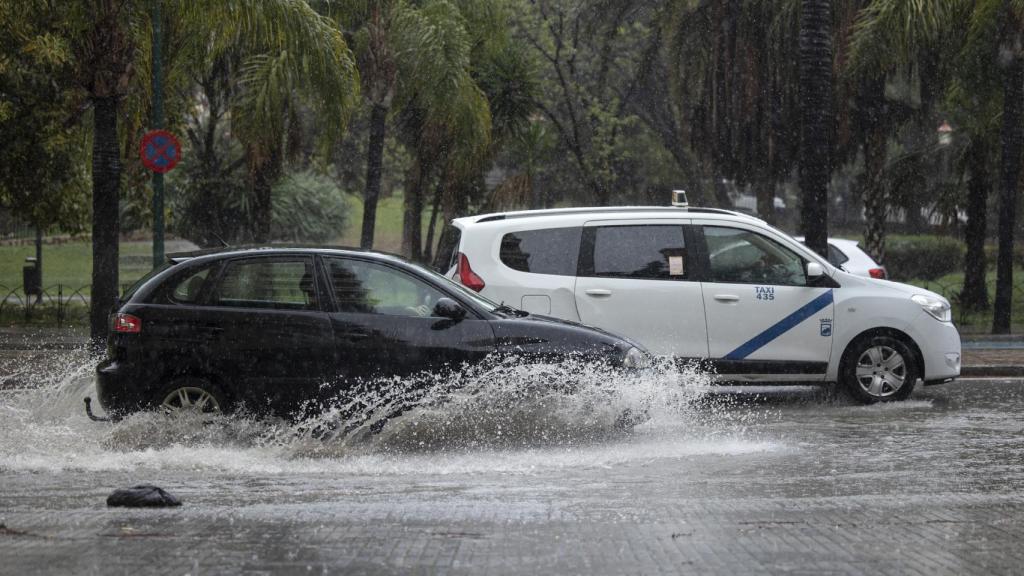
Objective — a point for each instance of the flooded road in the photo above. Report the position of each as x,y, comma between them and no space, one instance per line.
499,478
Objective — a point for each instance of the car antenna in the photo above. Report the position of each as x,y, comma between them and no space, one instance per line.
221,240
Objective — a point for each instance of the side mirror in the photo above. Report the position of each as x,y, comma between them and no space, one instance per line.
814,270
448,308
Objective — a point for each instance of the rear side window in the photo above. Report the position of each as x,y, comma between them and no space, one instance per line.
188,289
653,252
551,251
447,249
268,283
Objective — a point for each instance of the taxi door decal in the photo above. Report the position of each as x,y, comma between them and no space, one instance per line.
781,327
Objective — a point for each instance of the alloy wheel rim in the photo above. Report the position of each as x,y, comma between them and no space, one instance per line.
881,371
190,398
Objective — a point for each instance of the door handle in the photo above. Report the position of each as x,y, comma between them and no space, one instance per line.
598,292
355,335
727,298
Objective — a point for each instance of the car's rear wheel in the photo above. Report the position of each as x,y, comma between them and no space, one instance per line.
879,369
198,395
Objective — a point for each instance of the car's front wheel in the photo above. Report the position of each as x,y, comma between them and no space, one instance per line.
879,369
197,395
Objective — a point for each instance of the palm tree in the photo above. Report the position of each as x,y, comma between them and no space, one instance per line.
815,119
110,41
393,42
990,58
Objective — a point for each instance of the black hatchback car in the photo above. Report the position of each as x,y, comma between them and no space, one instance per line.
271,328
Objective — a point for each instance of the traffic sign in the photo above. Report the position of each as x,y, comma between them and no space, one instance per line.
160,151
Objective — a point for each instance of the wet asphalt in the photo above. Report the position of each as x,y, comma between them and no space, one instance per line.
748,481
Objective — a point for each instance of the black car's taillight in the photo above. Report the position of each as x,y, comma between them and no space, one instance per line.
125,324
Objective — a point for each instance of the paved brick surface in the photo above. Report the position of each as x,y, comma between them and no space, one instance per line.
787,483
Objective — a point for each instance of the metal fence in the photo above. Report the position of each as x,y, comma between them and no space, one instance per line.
951,291
54,299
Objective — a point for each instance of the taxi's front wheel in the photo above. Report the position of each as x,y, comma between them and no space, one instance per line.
878,369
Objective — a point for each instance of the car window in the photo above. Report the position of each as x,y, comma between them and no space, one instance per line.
836,256
656,251
745,257
268,283
187,290
447,249
366,287
551,251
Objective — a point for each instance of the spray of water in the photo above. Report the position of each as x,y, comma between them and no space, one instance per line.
475,417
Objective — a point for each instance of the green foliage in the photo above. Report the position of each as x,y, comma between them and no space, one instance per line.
923,257
44,158
308,207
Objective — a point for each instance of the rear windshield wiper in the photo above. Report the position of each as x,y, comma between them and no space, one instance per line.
506,309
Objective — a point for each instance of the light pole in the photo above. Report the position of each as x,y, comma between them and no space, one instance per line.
157,124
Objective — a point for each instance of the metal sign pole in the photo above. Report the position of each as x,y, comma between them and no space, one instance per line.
157,124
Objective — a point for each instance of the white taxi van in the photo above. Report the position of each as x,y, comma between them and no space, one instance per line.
713,286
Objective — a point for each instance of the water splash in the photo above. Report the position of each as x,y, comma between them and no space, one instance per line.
567,413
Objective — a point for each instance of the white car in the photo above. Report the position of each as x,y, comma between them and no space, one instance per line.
846,254
715,286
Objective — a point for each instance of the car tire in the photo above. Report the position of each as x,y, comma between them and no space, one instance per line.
192,393
878,369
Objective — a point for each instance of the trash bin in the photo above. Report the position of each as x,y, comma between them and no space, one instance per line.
32,278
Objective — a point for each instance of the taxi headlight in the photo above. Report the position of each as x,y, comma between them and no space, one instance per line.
937,307
635,359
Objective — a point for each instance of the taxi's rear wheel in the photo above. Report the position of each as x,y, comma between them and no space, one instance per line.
879,369
192,394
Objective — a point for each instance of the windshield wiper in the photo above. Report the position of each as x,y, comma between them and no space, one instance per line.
506,309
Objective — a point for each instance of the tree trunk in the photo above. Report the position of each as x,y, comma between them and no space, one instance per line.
265,173
1013,91
412,216
815,89
765,194
974,295
428,250
106,227
876,205
374,163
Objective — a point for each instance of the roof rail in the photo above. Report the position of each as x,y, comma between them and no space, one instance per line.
603,209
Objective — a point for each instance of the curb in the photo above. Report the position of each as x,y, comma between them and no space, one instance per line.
992,371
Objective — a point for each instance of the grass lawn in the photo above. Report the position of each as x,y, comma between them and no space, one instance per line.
70,264
387,235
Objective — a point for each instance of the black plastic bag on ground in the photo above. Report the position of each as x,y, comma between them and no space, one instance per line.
143,496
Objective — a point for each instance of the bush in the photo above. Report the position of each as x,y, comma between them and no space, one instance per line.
923,257
306,207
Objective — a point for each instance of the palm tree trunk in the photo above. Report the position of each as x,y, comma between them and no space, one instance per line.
374,163
265,173
428,250
815,120
765,194
106,227
875,203
1012,135
412,216
974,295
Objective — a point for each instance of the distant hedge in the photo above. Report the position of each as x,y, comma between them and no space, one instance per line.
923,257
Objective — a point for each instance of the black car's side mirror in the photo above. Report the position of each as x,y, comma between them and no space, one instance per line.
448,308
